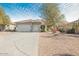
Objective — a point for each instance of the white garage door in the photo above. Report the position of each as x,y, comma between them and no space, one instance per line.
23,27
36,28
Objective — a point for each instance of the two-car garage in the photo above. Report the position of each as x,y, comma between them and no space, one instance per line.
28,26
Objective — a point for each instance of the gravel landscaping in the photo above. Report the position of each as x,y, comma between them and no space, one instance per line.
60,45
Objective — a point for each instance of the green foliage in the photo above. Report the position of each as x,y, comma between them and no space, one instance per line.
52,14
71,31
61,30
42,28
4,19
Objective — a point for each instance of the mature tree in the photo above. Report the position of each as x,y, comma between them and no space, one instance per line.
7,19
4,19
52,14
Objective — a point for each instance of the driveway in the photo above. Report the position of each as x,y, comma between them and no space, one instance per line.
19,43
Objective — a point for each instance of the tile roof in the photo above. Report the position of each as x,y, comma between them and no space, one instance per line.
29,21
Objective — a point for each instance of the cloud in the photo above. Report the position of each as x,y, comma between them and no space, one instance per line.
71,11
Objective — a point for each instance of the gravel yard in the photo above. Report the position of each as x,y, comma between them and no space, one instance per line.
61,45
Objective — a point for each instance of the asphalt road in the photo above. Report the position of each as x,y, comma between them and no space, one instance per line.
18,44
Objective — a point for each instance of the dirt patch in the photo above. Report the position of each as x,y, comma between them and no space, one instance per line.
58,45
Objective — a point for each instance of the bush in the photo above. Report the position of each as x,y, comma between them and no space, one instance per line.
71,31
61,30
42,28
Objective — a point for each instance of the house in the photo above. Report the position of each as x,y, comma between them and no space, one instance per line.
72,25
75,25
10,27
29,25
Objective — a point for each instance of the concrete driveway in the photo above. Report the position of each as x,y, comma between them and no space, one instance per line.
19,43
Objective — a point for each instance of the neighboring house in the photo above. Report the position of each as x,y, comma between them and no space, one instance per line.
70,25
75,25
10,27
29,26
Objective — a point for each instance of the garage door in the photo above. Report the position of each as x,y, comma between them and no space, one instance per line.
36,28
23,27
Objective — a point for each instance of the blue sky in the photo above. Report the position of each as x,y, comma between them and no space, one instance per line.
23,11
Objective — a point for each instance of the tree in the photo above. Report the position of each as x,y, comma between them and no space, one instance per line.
52,14
4,19
7,20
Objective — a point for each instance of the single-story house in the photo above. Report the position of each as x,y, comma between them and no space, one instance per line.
10,27
71,26
29,26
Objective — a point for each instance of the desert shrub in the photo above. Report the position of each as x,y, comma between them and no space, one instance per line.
42,28
61,30
71,31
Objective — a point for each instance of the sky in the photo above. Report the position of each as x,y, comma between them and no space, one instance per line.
21,11
24,11
71,11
